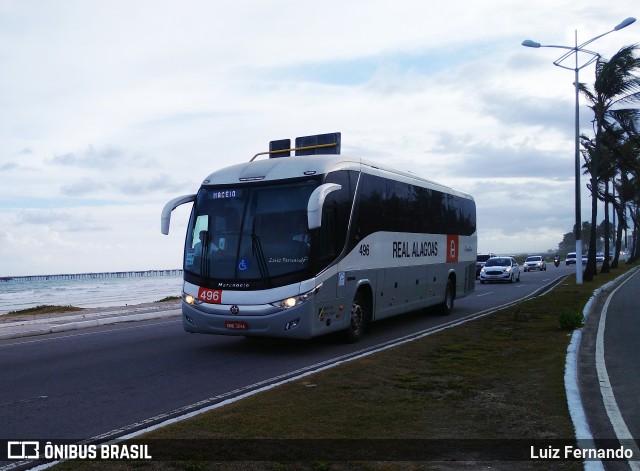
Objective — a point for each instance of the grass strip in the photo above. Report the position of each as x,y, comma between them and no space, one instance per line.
55,309
169,299
44,309
500,377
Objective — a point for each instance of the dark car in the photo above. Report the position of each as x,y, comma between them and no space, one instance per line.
480,261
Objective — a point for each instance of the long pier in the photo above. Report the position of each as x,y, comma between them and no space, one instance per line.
86,276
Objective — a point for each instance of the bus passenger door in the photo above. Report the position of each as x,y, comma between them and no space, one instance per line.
341,285
346,285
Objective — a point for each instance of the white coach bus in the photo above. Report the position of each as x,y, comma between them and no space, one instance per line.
300,246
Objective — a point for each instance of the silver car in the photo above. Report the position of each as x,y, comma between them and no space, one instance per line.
500,269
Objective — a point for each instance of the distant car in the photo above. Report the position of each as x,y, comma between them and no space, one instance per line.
599,257
500,269
570,259
480,261
535,262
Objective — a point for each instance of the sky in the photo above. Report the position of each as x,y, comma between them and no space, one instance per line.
110,108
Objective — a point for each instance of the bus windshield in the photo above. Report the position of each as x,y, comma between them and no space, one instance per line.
249,237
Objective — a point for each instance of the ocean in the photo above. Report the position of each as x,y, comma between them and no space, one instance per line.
86,292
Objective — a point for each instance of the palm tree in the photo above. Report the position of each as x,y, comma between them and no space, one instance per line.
627,150
634,212
619,157
625,191
615,85
601,192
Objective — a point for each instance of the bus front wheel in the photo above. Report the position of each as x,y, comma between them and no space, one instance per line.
358,321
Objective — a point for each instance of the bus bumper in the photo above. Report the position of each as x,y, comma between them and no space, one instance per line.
296,322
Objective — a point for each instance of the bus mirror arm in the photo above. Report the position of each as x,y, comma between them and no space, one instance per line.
165,219
316,201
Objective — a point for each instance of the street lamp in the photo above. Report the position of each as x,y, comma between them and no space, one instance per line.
592,57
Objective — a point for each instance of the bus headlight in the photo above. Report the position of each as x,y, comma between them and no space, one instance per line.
297,300
190,300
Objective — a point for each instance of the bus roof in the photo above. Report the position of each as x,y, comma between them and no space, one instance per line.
308,165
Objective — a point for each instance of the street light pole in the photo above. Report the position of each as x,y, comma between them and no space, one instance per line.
578,228
558,62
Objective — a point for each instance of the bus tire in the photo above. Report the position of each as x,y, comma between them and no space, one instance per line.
447,305
358,320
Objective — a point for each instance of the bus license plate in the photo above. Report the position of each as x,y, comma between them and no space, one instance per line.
236,325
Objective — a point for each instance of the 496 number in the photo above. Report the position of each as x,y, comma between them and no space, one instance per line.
364,250
211,296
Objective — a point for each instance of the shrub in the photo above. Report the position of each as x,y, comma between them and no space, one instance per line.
570,320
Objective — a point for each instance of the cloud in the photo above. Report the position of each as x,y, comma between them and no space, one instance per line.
72,220
155,184
122,186
85,187
91,158
9,166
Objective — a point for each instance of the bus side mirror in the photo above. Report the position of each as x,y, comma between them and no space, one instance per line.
165,219
316,201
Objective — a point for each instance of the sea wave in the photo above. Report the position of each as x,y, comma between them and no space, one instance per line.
16,295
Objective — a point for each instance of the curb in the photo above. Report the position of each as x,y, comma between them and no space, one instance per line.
112,320
33,329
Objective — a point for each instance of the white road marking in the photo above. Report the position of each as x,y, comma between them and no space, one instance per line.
24,401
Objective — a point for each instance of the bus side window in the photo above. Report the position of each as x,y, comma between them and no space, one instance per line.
328,230
202,224
335,216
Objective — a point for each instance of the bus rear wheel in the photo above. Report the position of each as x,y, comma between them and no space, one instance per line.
358,321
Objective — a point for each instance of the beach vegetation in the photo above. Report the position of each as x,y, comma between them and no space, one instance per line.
44,309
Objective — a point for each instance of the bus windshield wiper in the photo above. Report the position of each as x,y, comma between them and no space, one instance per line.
256,246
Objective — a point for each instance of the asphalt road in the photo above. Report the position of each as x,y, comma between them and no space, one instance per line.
113,380
622,351
611,401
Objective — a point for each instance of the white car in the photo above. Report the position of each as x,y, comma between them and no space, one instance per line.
535,262
500,269
571,259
